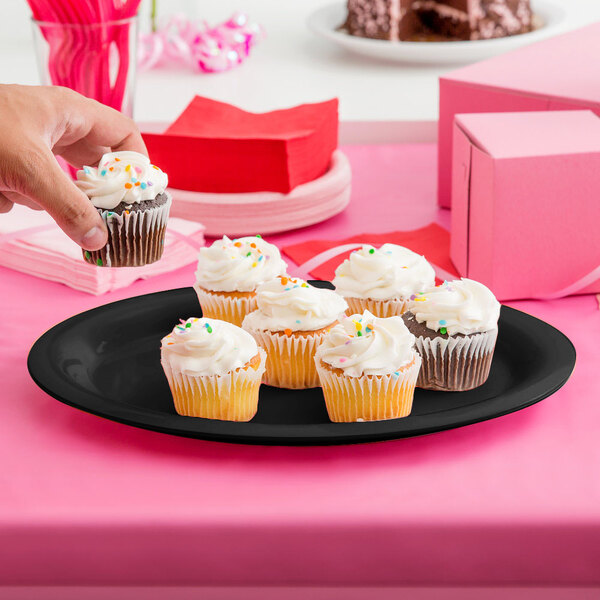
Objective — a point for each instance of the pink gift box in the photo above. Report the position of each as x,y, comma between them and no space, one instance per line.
557,74
526,202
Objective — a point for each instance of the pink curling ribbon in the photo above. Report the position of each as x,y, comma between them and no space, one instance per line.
303,271
207,49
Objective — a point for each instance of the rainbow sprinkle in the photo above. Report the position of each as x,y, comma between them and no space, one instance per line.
372,251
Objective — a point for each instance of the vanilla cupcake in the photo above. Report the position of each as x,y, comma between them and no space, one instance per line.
382,280
290,323
228,273
368,369
130,195
214,369
456,327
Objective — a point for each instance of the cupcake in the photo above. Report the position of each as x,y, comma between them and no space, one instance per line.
214,369
291,321
229,271
129,193
456,326
368,369
382,280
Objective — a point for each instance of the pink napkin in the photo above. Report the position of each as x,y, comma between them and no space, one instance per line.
32,243
319,258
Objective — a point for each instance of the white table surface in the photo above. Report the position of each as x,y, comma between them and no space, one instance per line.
291,66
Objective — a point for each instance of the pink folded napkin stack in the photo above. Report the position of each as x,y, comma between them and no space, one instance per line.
32,243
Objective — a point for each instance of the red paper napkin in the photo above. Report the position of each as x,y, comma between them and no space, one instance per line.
218,148
432,241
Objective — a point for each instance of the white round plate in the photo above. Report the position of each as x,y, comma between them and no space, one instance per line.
268,212
327,20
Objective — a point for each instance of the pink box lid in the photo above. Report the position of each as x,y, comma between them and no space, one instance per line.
530,134
533,69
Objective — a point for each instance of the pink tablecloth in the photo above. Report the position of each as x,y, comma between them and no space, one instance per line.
513,501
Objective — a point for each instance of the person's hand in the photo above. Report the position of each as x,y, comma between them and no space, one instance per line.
37,123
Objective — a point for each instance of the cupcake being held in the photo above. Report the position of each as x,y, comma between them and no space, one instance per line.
291,321
228,273
214,369
130,195
456,327
382,280
368,369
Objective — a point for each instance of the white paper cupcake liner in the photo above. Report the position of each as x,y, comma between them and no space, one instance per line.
290,359
369,397
229,397
379,308
456,363
135,238
224,307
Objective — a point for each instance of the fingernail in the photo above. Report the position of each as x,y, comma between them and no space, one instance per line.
94,239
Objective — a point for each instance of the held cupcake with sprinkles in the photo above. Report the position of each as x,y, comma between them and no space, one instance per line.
214,369
382,280
368,369
129,193
291,321
229,271
456,327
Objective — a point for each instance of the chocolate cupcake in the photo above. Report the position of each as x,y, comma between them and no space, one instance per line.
129,193
456,326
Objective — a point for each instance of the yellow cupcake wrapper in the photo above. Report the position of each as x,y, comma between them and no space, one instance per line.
290,359
369,397
223,307
229,397
380,308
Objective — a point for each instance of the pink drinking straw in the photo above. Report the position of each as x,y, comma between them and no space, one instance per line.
82,60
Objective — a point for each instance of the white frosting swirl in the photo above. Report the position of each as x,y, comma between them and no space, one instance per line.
382,274
238,265
207,347
463,306
121,177
366,345
287,303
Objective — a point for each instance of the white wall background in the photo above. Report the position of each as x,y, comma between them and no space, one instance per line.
291,66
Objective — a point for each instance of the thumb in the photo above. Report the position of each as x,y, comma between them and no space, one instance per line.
48,185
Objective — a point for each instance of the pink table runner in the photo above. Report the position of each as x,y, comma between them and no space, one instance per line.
85,501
